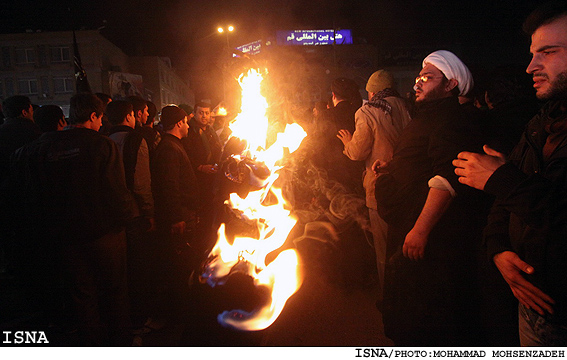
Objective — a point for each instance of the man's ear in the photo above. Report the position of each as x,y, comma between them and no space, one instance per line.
451,84
93,116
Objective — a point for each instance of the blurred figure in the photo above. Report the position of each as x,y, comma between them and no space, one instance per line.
70,194
50,118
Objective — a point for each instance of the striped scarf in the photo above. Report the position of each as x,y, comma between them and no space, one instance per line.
379,102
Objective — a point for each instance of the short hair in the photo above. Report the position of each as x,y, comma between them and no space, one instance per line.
82,106
202,104
543,15
12,106
152,110
117,111
137,103
47,117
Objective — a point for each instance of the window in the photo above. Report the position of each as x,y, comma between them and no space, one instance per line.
27,86
60,54
6,58
25,56
9,87
63,85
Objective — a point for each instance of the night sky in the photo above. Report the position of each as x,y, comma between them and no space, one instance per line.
486,32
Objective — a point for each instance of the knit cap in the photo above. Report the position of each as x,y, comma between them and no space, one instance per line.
379,81
171,115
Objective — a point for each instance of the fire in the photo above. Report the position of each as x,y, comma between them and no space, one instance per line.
282,277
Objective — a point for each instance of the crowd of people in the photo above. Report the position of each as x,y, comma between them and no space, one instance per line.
462,200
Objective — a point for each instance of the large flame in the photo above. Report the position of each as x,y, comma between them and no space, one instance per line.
282,276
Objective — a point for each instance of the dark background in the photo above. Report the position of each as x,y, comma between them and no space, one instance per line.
485,33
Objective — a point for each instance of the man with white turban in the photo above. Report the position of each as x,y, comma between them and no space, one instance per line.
432,242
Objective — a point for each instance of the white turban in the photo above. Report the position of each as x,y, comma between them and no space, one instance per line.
452,67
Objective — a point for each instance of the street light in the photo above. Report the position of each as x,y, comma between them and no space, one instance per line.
229,29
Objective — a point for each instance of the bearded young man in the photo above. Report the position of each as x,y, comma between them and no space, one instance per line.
429,291
527,227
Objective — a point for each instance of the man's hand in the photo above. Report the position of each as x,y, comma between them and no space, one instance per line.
475,169
345,136
511,268
178,228
380,166
414,245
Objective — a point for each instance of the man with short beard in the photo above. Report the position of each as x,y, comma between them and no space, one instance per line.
527,227
430,285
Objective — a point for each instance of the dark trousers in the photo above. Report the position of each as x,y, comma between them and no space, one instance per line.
97,274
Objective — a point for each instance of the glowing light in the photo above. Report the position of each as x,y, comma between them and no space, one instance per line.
220,30
282,276
231,28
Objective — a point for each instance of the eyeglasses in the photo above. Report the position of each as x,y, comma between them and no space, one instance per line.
426,78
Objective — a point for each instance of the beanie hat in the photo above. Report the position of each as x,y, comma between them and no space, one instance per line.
379,81
452,67
171,115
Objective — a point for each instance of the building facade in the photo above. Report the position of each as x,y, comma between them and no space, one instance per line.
40,66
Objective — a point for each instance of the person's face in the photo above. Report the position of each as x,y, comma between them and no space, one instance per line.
144,115
184,127
549,60
202,116
430,84
97,122
131,119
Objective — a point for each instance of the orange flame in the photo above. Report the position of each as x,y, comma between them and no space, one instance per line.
281,276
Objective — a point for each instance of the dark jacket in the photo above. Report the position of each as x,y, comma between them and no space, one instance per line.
337,165
203,149
71,185
15,133
529,216
174,184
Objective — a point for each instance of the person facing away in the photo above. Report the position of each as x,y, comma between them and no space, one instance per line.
70,191
378,124
527,227
430,282
18,129
50,118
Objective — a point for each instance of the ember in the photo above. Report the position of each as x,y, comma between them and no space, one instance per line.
257,167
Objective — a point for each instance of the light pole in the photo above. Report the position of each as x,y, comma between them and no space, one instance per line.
229,29
221,30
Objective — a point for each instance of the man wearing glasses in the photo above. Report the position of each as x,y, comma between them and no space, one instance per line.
429,287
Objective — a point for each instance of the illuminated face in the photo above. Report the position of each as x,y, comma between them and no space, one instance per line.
202,116
131,120
145,114
97,123
549,60
430,84
184,127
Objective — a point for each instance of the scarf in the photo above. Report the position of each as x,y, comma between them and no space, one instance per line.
379,102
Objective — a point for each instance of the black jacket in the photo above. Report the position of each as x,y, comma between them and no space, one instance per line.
174,184
70,184
529,216
15,133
